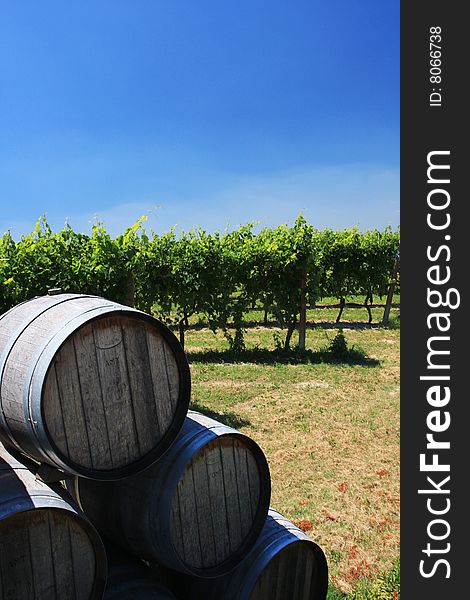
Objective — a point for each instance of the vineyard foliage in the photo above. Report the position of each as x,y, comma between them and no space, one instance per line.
219,276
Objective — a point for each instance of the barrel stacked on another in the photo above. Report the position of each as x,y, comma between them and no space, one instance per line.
199,509
284,564
48,549
90,388
100,393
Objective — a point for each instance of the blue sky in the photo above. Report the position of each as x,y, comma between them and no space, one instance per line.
206,113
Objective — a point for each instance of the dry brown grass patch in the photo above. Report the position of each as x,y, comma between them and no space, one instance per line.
331,436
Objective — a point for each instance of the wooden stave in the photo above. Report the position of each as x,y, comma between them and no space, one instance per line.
5,435
29,495
37,442
99,500
278,534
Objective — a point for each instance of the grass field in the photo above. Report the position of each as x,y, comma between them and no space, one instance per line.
330,432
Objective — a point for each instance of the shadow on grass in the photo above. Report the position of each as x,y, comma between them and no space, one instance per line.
343,325
315,325
310,325
263,356
227,418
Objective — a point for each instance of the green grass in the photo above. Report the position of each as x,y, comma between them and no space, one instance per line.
385,587
330,430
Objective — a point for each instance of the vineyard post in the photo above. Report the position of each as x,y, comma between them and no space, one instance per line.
391,289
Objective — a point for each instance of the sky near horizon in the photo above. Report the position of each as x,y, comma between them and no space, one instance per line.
209,114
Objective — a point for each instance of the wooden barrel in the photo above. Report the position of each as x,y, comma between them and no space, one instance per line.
48,549
89,386
284,564
198,510
131,579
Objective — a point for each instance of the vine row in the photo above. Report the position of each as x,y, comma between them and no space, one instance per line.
220,275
